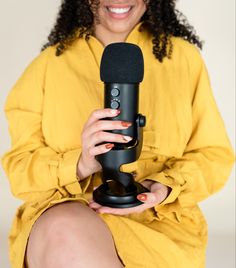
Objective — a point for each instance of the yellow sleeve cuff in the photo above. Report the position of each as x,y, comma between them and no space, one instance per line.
166,180
170,204
67,170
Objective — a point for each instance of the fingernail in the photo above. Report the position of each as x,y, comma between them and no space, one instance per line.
109,145
142,197
126,124
127,138
115,112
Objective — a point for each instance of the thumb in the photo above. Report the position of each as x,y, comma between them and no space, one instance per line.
152,198
148,198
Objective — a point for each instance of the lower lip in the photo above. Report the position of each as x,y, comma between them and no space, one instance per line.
119,16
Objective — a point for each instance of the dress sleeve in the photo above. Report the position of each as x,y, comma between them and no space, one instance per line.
31,165
208,157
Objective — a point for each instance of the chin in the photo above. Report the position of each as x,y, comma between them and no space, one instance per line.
121,28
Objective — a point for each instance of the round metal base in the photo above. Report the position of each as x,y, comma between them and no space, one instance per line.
112,196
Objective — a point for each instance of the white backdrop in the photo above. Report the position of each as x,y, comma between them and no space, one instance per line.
24,26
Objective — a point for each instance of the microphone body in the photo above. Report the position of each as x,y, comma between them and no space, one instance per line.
121,71
124,97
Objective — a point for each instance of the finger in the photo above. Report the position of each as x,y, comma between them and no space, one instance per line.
161,190
147,184
100,137
94,205
103,136
153,198
101,113
148,198
102,125
100,149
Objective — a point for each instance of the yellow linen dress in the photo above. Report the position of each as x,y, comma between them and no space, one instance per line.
185,147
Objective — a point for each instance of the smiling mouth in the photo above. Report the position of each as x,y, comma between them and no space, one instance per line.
119,10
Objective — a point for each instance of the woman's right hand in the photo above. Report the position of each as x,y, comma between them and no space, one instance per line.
94,133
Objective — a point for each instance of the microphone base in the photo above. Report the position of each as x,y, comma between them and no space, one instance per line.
104,195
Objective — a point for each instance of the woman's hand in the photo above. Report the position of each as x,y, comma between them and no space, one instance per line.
158,193
94,133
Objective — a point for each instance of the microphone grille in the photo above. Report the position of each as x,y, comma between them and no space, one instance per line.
122,63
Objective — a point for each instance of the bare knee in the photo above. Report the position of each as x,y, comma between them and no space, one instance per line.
67,235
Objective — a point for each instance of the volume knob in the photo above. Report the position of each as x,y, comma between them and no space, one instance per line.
115,104
115,92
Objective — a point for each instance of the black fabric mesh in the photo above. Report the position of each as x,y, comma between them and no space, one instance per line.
122,63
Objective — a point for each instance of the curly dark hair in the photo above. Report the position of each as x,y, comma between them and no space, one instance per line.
162,19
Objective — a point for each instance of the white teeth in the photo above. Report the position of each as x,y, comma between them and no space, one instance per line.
119,10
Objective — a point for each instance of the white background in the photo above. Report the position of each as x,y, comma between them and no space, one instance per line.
24,26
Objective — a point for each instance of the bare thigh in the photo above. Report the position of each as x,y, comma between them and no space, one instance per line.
71,235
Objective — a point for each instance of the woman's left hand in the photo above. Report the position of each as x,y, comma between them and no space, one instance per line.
158,193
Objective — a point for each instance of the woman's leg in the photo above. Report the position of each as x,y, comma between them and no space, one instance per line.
71,235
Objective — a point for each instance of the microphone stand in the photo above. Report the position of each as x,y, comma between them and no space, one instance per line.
119,189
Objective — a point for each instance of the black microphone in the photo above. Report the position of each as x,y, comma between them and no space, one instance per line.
121,70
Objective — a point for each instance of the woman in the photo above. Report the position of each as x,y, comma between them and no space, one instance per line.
56,121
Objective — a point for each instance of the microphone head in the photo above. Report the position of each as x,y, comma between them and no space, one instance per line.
122,63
